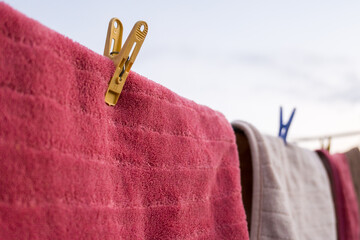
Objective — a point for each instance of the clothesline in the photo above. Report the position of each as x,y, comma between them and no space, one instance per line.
322,137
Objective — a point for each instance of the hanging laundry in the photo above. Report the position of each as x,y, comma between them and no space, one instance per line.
155,166
290,189
353,157
347,212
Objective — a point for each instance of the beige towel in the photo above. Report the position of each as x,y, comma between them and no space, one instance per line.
291,194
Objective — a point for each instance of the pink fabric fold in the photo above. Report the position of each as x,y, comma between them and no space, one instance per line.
347,212
155,166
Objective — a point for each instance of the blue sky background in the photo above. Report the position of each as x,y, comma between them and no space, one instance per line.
242,58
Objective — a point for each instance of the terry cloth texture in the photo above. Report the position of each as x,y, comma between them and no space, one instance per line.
347,212
291,194
353,157
155,166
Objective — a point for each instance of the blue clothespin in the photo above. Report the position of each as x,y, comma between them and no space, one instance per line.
284,128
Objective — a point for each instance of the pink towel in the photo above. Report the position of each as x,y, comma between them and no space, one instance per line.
347,212
156,166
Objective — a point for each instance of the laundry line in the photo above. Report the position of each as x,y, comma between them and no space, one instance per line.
323,137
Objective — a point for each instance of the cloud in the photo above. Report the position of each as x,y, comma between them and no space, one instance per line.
317,77
348,91
254,59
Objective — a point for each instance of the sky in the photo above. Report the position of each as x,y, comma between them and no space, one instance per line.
242,58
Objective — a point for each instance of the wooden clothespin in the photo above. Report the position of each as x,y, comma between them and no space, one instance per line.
122,56
327,148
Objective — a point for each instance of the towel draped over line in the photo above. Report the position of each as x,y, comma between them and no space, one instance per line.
291,194
155,166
